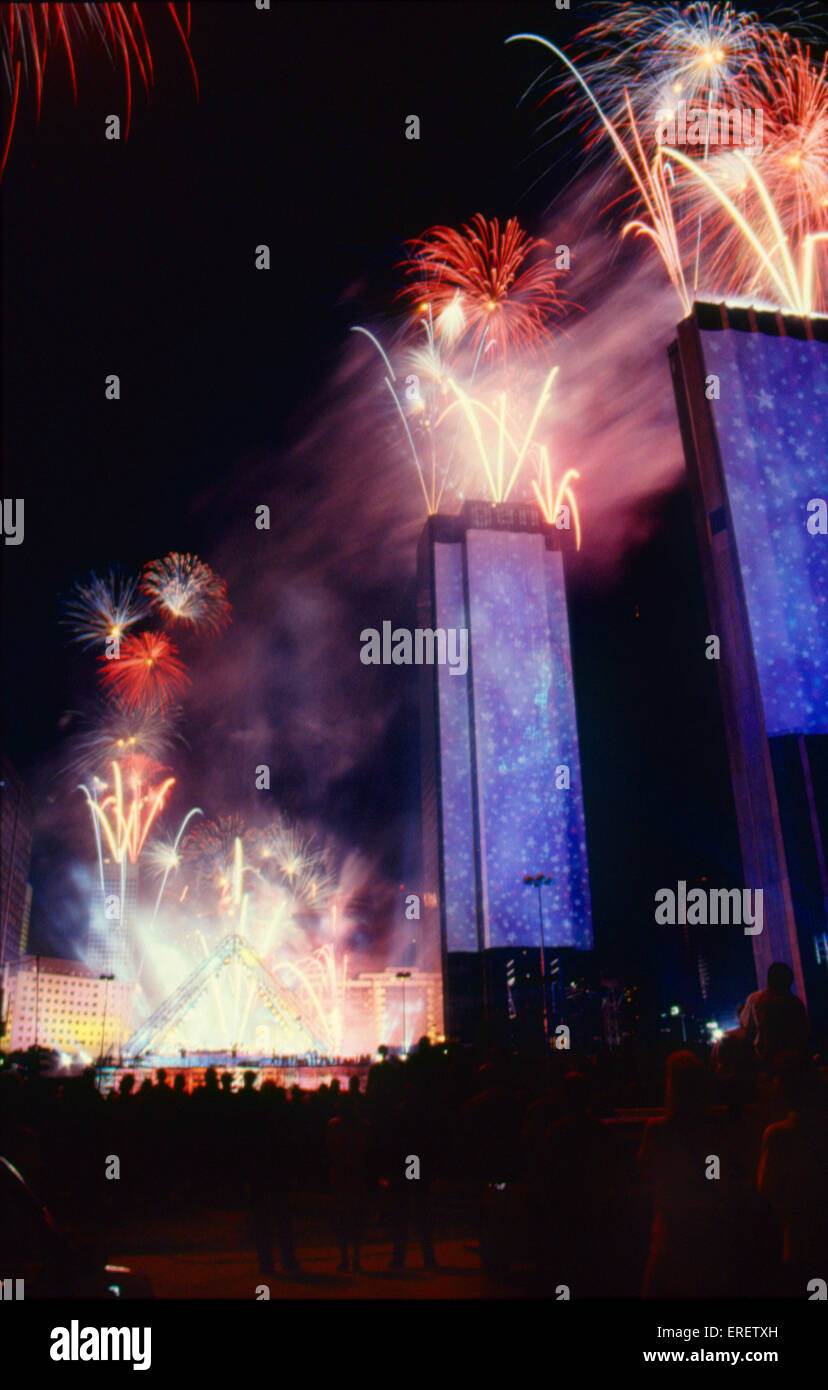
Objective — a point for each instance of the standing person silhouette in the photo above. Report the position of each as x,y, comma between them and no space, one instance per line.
774,1019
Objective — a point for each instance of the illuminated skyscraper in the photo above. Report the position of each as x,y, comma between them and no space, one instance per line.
752,394
502,794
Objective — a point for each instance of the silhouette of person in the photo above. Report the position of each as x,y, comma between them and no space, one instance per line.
348,1140
690,1252
775,1020
792,1168
268,1163
576,1195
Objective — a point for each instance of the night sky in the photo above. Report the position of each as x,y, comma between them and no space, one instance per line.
137,258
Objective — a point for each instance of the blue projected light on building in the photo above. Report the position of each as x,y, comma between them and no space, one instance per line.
508,743
772,425
455,761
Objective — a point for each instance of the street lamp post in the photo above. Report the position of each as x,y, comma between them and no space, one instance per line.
107,978
404,975
37,1002
541,881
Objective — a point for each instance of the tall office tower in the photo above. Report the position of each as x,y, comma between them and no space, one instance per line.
502,795
752,395
16,820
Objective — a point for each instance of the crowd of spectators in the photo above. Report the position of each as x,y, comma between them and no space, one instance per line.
576,1171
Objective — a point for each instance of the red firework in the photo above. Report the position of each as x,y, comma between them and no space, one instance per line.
491,277
28,33
147,674
791,158
792,92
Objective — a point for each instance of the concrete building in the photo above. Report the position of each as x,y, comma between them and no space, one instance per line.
63,1005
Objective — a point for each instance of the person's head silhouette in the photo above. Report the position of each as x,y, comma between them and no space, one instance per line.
687,1087
576,1094
780,977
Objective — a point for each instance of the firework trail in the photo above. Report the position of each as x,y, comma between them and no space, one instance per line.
417,400
790,273
485,283
103,609
123,816
146,675
29,33
662,54
321,988
550,495
164,856
501,450
184,589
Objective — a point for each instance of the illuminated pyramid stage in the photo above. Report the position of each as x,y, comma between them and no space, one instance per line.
301,1036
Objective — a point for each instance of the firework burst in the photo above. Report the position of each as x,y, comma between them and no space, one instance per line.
103,609
658,55
213,853
299,862
146,676
186,590
112,732
792,91
731,217
485,283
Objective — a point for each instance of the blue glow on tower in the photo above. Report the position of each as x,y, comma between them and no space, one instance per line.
504,746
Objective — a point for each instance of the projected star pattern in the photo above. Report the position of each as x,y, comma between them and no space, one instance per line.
772,423
524,728
455,763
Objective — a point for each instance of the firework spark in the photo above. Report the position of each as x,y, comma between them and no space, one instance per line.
186,590
29,33
486,283
103,609
302,866
146,675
